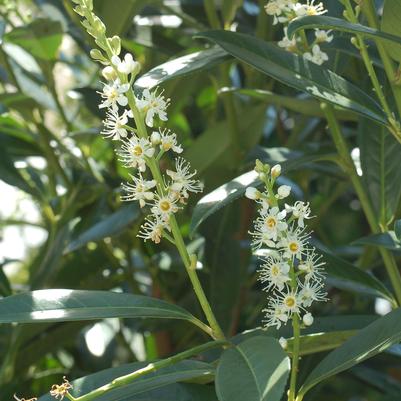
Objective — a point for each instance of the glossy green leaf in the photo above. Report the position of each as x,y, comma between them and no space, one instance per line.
236,188
391,25
306,106
63,305
41,38
386,240
380,153
145,387
369,341
297,72
181,66
107,227
346,276
323,22
254,370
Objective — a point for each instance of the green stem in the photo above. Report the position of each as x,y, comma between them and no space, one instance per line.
151,367
347,164
395,129
368,8
211,14
295,357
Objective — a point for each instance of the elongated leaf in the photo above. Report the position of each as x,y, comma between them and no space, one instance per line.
144,387
181,66
297,72
41,38
380,153
386,240
321,21
65,305
236,188
306,106
391,24
370,341
345,275
111,225
254,370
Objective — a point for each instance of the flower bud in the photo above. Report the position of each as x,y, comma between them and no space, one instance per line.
252,193
283,191
109,73
155,138
276,171
308,319
283,342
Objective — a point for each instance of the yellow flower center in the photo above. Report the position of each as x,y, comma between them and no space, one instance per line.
271,222
290,302
137,150
293,246
165,206
275,270
113,94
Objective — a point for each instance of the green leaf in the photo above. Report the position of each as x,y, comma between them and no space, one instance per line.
144,387
345,275
306,106
181,66
386,240
63,305
236,188
41,38
391,24
379,154
370,341
397,229
254,370
297,72
107,227
323,22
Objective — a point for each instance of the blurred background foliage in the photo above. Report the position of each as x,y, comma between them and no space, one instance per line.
63,225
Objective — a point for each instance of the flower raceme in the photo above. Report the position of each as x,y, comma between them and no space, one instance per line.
292,272
139,150
283,12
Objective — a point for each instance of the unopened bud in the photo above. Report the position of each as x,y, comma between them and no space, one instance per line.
283,342
115,43
308,319
155,138
252,193
276,171
283,191
109,73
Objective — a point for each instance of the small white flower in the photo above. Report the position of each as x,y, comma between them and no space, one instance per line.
307,319
311,292
153,104
126,66
168,140
182,179
288,44
323,36
276,170
114,125
312,267
317,56
271,222
283,191
134,152
309,8
300,211
139,190
153,229
290,302
275,272
252,193
113,95
275,314
164,206
283,342
294,244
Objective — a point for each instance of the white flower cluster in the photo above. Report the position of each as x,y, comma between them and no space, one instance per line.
143,153
283,11
293,272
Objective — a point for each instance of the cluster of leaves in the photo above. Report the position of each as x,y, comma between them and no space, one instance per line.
240,99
